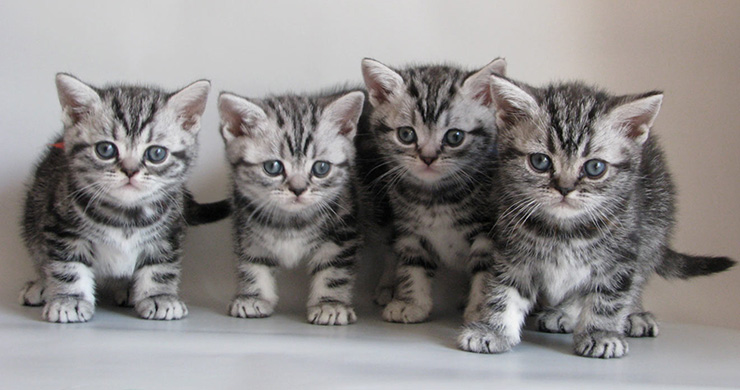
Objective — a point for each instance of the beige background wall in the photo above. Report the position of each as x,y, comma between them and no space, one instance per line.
691,50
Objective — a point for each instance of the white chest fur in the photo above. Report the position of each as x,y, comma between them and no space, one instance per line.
561,277
447,240
287,249
116,256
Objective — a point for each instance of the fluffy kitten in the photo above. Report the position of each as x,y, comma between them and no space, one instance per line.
584,206
292,161
109,200
432,130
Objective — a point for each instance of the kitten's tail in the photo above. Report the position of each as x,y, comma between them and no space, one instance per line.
683,266
198,214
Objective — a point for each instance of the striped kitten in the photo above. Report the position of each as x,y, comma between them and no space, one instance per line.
292,161
109,202
432,132
584,208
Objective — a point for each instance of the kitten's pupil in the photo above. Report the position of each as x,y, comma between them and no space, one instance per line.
407,135
156,154
273,167
454,137
106,150
540,162
321,168
594,168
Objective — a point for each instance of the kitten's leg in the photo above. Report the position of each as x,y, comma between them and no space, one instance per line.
154,289
333,277
122,292
642,324
481,256
257,295
32,293
501,318
412,300
386,285
561,318
69,290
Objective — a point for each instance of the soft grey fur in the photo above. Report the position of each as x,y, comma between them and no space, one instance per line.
430,190
294,216
88,218
581,246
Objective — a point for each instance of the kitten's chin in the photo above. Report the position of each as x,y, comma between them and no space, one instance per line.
129,195
564,210
427,175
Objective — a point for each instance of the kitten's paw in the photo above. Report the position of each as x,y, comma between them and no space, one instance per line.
331,314
68,309
122,297
482,338
161,307
601,344
32,294
471,314
248,307
554,321
642,325
407,313
383,295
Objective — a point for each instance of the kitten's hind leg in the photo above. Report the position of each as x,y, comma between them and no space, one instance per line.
32,293
386,285
642,324
122,292
559,319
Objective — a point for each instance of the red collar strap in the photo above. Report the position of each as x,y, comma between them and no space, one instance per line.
58,145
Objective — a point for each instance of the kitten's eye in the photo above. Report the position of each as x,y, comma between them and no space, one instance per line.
540,162
156,154
320,168
407,135
106,150
273,167
594,168
454,137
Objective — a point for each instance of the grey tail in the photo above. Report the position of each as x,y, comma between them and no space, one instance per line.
683,266
198,214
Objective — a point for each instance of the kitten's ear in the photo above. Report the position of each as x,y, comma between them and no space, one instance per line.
189,104
511,102
635,118
381,81
77,98
344,113
239,116
478,84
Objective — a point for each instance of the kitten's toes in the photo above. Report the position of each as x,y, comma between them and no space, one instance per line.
407,313
161,307
554,321
68,309
479,337
249,307
122,297
331,314
642,325
383,295
601,344
32,294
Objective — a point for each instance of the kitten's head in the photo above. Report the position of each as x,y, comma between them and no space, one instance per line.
126,144
432,122
567,151
291,153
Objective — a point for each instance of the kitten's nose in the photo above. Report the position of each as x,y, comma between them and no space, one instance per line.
130,172
428,160
564,190
297,191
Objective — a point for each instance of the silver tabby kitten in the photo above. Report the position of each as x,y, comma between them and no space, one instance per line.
432,129
108,202
584,206
294,198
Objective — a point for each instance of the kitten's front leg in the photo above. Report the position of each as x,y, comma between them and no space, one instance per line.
257,295
333,277
69,290
412,300
154,289
479,262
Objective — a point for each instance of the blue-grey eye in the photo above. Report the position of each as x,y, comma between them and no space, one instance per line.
540,162
454,137
273,167
106,150
156,154
407,135
320,168
594,168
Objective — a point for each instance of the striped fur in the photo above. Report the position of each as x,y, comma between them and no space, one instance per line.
297,214
580,243
434,187
89,218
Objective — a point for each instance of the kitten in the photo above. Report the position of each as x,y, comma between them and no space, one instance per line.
109,200
294,198
585,208
432,129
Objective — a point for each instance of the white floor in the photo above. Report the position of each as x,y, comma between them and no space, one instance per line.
209,350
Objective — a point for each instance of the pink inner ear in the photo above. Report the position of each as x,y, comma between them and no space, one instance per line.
484,96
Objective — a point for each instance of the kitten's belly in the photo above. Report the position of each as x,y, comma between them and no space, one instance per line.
450,244
116,258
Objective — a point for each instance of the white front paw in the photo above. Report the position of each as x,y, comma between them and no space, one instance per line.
331,314
601,344
481,338
68,309
161,307
248,307
407,313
